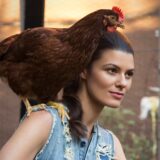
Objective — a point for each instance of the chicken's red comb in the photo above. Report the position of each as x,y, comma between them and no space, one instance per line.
119,12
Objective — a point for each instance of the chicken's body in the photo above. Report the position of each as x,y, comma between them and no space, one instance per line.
32,62
38,62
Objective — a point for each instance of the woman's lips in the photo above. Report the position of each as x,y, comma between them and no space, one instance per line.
117,95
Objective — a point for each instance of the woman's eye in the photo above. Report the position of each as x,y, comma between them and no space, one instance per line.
129,74
111,70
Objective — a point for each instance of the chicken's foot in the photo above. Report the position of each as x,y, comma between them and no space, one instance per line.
60,108
29,108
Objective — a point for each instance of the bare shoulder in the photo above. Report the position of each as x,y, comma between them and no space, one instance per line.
38,123
119,153
29,137
37,119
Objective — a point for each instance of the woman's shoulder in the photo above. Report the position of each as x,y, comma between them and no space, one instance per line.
38,119
39,125
31,134
42,117
41,121
108,133
119,153
114,141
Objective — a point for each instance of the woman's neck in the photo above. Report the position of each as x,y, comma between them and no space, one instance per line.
91,111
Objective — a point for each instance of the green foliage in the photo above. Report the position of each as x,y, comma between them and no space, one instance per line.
122,122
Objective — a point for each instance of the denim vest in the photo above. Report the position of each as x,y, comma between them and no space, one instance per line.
61,146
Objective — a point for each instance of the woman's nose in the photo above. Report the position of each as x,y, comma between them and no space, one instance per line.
122,81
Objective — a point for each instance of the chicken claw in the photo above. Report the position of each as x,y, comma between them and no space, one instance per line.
60,109
55,105
29,108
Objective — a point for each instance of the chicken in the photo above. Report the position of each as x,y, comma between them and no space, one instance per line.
38,62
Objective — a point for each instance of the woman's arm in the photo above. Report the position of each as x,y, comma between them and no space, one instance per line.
29,137
119,153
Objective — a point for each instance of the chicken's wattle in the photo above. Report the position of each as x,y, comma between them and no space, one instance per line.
112,29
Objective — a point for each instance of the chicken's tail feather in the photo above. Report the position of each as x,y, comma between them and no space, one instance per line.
3,70
5,45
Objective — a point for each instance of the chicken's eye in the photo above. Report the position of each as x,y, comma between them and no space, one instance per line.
113,17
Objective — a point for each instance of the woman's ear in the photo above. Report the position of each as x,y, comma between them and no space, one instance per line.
83,74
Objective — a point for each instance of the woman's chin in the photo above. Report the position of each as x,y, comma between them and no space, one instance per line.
113,105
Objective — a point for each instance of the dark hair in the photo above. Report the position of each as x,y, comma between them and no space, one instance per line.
111,40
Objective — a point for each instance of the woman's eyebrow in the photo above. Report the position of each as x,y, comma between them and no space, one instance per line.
132,70
113,65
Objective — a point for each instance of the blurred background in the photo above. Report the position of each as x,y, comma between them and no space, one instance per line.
139,136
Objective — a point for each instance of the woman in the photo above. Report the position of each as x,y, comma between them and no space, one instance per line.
104,82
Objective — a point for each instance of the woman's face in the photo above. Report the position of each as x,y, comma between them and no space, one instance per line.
110,77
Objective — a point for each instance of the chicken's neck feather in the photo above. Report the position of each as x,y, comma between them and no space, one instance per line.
84,37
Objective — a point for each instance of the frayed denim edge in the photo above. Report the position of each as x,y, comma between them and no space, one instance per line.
50,135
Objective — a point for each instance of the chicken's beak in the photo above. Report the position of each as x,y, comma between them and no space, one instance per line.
121,25
117,23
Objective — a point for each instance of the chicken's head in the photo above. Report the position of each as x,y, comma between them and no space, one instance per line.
114,19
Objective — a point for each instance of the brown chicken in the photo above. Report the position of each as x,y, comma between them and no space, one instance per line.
38,62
